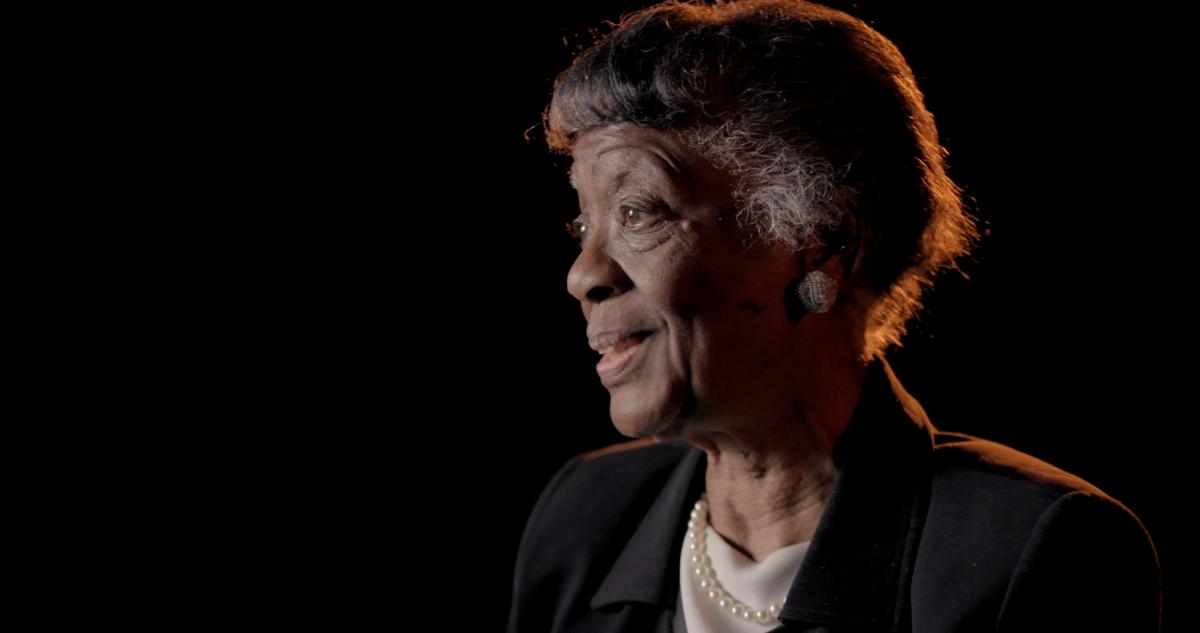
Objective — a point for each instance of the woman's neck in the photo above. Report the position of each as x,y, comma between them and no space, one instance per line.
758,511
768,481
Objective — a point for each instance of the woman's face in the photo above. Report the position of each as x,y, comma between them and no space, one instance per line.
662,258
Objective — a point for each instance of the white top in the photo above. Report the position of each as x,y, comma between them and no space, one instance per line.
757,584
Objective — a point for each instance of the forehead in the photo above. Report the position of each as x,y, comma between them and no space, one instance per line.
615,150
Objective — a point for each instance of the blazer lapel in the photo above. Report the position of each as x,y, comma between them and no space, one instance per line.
857,572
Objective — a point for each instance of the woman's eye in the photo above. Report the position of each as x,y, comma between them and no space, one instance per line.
577,229
634,217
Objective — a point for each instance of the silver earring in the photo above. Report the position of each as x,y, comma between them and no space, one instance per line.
818,291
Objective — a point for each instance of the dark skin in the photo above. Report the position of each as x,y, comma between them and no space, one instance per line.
726,368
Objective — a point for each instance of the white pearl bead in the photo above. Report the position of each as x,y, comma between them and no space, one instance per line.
724,603
715,593
762,617
705,583
774,609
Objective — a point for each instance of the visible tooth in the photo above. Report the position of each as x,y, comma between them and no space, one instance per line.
607,349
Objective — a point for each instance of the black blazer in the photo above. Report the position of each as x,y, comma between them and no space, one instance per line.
925,531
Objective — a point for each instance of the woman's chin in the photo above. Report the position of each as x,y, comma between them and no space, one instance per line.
637,418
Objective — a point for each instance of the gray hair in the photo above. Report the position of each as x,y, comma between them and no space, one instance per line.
816,114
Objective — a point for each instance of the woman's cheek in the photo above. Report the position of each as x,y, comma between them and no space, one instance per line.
648,242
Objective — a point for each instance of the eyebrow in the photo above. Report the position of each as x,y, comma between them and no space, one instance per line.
666,164
620,180
667,169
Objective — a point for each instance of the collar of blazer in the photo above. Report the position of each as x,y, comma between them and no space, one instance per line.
857,570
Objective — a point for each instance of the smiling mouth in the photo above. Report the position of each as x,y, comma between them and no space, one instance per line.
617,359
626,343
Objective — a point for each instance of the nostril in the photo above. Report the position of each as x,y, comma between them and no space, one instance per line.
599,293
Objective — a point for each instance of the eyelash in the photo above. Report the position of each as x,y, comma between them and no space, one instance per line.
577,229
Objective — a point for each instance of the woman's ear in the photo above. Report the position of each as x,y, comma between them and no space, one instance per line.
838,253
829,271
849,250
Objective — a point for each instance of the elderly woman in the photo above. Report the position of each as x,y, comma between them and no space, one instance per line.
763,201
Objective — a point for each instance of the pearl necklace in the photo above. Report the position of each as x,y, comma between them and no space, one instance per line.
703,573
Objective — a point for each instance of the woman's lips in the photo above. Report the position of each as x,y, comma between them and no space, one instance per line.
616,363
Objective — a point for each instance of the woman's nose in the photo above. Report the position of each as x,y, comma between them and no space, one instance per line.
595,275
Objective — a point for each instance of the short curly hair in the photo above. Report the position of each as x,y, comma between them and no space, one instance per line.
817,115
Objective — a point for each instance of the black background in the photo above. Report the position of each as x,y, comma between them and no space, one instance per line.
414,369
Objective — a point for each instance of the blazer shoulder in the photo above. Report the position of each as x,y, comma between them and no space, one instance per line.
616,475
960,455
987,488
996,494
980,471
995,511
596,489
1089,564
644,451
